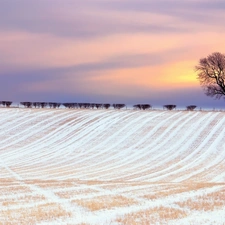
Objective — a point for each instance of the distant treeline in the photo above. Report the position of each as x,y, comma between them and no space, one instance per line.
88,105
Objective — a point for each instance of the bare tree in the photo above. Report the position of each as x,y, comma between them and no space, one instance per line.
211,74
92,105
74,105
142,106
29,104
67,105
54,105
118,106
146,106
106,106
86,105
26,104
80,105
138,106
43,104
35,104
98,105
3,103
50,104
191,107
170,107
8,103
58,105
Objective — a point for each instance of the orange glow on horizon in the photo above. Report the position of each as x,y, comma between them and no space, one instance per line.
181,73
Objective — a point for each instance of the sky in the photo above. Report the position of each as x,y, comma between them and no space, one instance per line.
108,51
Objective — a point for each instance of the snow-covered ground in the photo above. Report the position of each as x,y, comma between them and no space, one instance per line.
111,167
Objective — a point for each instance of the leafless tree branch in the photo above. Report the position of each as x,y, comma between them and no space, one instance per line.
211,74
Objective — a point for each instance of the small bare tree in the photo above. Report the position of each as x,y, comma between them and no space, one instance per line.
58,105
80,105
50,104
43,104
142,106
35,104
92,105
86,105
53,104
211,74
138,106
29,104
72,105
98,105
118,106
146,106
3,103
170,107
8,103
26,104
106,106
191,107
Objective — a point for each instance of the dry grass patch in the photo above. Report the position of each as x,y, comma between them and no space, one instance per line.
22,200
74,193
105,202
177,189
93,182
56,184
33,215
125,185
14,189
157,215
9,181
206,202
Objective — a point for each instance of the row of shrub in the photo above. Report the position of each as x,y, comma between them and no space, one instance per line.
89,105
6,103
40,104
71,105
171,107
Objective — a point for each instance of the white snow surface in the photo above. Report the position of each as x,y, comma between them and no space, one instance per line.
61,166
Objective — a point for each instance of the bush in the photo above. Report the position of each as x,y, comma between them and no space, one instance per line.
146,106
106,106
118,106
5,103
138,106
86,105
92,105
26,104
191,107
80,105
35,104
170,107
8,103
98,106
43,104
68,105
57,105
142,106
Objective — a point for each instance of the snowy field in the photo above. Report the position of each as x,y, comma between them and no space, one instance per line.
110,167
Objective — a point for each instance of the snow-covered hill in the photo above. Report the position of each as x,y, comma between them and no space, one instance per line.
111,167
